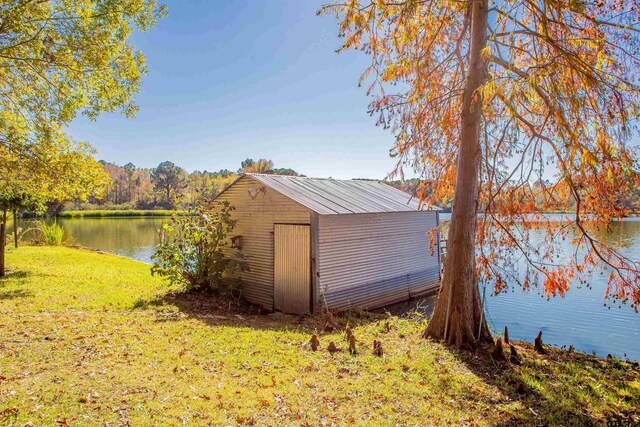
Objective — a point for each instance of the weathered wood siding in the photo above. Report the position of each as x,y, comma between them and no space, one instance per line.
371,260
255,223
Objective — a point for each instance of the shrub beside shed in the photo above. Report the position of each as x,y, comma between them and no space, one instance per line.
344,243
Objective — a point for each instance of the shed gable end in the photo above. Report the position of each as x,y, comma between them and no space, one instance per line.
257,209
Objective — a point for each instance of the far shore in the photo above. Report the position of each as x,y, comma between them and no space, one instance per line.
117,213
112,213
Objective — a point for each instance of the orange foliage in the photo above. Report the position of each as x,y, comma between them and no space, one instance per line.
558,109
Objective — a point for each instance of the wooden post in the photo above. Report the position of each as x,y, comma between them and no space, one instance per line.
15,229
3,235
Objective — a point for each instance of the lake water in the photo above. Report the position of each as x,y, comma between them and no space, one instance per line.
580,318
130,237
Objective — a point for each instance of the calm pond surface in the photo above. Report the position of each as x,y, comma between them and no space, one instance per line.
580,318
130,237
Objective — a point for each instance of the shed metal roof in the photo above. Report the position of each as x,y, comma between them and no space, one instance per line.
328,196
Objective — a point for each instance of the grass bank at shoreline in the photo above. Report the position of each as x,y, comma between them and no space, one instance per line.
117,213
89,338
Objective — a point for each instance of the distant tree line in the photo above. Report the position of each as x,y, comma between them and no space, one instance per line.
167,186
546,195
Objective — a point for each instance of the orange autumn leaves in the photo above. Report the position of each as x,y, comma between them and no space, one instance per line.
559,108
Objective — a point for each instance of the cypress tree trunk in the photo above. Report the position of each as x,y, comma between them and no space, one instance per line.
15,229
457,316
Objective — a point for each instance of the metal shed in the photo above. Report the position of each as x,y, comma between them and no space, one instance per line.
344,243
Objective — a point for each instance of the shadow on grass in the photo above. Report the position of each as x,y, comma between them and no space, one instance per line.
216,310
558,388
15,275
12,294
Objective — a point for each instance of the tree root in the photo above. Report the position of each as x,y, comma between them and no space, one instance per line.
514,357
331,348
314,342
331,324
348,333
498,351
352,345
537,344
377,348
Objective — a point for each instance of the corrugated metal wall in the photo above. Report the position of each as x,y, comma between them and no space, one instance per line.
256,218
370,260
292,268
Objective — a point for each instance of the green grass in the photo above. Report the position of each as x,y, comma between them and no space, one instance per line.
51,234
116,213
93,339
55,279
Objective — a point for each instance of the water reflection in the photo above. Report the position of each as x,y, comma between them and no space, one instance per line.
131,237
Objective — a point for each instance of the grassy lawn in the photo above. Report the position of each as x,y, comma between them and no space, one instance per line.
93,339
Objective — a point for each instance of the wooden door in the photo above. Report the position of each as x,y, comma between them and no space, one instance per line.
292,268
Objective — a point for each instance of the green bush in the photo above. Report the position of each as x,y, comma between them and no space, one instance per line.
192,248
52,234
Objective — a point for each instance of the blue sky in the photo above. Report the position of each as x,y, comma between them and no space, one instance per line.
235,79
